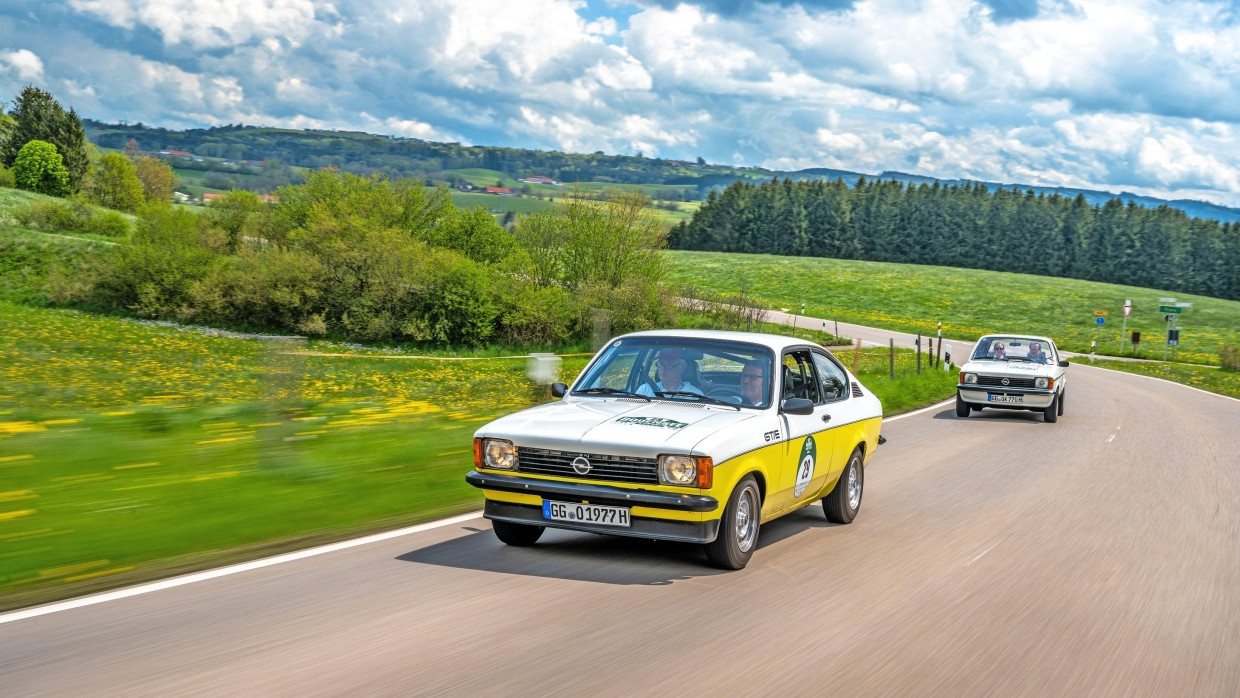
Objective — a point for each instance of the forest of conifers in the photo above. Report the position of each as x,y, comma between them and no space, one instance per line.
970,226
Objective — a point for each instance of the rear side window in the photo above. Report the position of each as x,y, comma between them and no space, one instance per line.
832,379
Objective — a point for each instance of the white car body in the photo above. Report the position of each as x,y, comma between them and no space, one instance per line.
605,443
1014,382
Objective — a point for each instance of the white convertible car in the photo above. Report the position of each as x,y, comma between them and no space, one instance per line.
1013,372
694,436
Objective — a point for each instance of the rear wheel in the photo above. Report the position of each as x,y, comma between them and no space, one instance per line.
738,529
516,534
842,505
962,407
1051,413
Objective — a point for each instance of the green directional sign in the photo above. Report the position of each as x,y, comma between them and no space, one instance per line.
1169,309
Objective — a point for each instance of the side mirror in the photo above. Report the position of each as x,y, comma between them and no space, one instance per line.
558,389
797,405
1063,363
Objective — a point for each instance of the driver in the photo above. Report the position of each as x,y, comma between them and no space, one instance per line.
999,351
671,371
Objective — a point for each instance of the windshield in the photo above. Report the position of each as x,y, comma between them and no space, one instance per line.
681,369
1000,348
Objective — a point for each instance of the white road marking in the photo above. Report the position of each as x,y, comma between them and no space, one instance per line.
922,410
1110,438
1004,537
231,569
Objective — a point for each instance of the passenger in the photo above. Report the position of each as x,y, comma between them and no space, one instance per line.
1036,353
998,351
753,382
671,371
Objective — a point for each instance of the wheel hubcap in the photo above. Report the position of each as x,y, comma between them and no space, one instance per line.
746,520
854,485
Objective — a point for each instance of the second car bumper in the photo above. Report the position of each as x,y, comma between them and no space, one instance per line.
655,529
1031,398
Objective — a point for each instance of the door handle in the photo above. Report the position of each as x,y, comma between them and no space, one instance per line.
826,418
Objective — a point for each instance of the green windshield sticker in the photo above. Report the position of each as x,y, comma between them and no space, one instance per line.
652,422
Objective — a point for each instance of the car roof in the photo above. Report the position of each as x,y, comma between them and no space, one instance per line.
773,341
1013,335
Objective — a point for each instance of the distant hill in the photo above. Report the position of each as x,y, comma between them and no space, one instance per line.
366,153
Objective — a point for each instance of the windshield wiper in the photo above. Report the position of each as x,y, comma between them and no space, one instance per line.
610,391
698,396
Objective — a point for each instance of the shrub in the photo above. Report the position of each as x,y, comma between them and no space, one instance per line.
532,314
636,304
112,224
152,275
1229,357
40,169
116,183
6,178
454,304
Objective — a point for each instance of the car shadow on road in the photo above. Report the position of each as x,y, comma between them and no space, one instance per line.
589,557
993,414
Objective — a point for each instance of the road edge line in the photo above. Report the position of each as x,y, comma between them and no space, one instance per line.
204,575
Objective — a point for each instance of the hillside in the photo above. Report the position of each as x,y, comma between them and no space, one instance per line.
369,153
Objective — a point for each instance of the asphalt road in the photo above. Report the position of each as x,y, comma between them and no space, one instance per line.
994,555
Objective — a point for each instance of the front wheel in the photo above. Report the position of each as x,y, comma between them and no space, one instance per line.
520,535
1051,413
962,407
1060,410
842,505
738,529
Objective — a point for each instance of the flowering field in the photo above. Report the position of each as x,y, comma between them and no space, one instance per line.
130,450
969,302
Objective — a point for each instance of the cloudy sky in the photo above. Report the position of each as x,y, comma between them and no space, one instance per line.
1120,95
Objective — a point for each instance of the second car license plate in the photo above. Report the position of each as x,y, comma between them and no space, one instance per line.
586,513
1007,398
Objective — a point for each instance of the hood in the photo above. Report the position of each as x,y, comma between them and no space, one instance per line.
1009,368
616,426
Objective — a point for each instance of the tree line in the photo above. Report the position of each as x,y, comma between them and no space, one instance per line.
971,226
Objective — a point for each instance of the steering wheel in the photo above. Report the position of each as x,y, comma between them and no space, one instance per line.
729,394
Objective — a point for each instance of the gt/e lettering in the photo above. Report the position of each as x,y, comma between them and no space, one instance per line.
771,435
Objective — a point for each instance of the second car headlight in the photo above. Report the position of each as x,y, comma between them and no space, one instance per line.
970,377
692,471
1043,382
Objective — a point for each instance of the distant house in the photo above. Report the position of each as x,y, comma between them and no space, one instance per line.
540,180
176,154
211,197
502,191
269,198
180,196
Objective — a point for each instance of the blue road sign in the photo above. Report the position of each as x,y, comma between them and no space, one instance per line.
1101,320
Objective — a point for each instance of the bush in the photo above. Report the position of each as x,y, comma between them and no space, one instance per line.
73,215
455,303
1229,357
152,275
40,169
111,223
6,178
531,314
116,183
636,304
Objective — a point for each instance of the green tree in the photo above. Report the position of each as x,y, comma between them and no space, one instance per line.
158,179
233,214
116,183
38,168
38,116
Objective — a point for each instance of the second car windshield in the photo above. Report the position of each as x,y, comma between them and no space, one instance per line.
682,369
1013,349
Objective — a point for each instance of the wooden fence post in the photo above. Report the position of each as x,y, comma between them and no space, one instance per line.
891,357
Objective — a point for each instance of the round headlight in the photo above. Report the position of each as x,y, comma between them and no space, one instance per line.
499,454
1040,383
970,378
678,470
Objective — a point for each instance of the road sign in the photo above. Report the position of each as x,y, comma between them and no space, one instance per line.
1100,313
1100,320
1169,309
1166,300
1183,305
1127,308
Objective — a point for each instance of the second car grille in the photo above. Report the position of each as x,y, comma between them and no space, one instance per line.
997,381
540,461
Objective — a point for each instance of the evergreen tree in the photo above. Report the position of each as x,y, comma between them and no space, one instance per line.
38,116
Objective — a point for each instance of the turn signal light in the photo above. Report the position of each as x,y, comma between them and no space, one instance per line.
478,452
705,472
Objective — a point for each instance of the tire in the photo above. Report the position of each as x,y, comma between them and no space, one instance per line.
842,505
976,408
1051,413
738,529
1060,410
962,407
520,535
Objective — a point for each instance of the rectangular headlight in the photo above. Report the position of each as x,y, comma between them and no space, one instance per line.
498,453
687,471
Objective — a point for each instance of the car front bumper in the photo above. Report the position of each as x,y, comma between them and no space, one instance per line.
1031,398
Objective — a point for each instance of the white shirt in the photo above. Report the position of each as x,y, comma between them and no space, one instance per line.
644,389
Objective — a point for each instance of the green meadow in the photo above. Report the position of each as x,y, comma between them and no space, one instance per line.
969,302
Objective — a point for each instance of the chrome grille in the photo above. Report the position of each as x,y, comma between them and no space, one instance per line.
997,382
539,461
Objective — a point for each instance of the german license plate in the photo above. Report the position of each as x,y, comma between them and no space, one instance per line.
1017,399
586,513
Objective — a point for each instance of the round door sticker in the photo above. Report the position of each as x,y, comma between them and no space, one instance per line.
805,467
